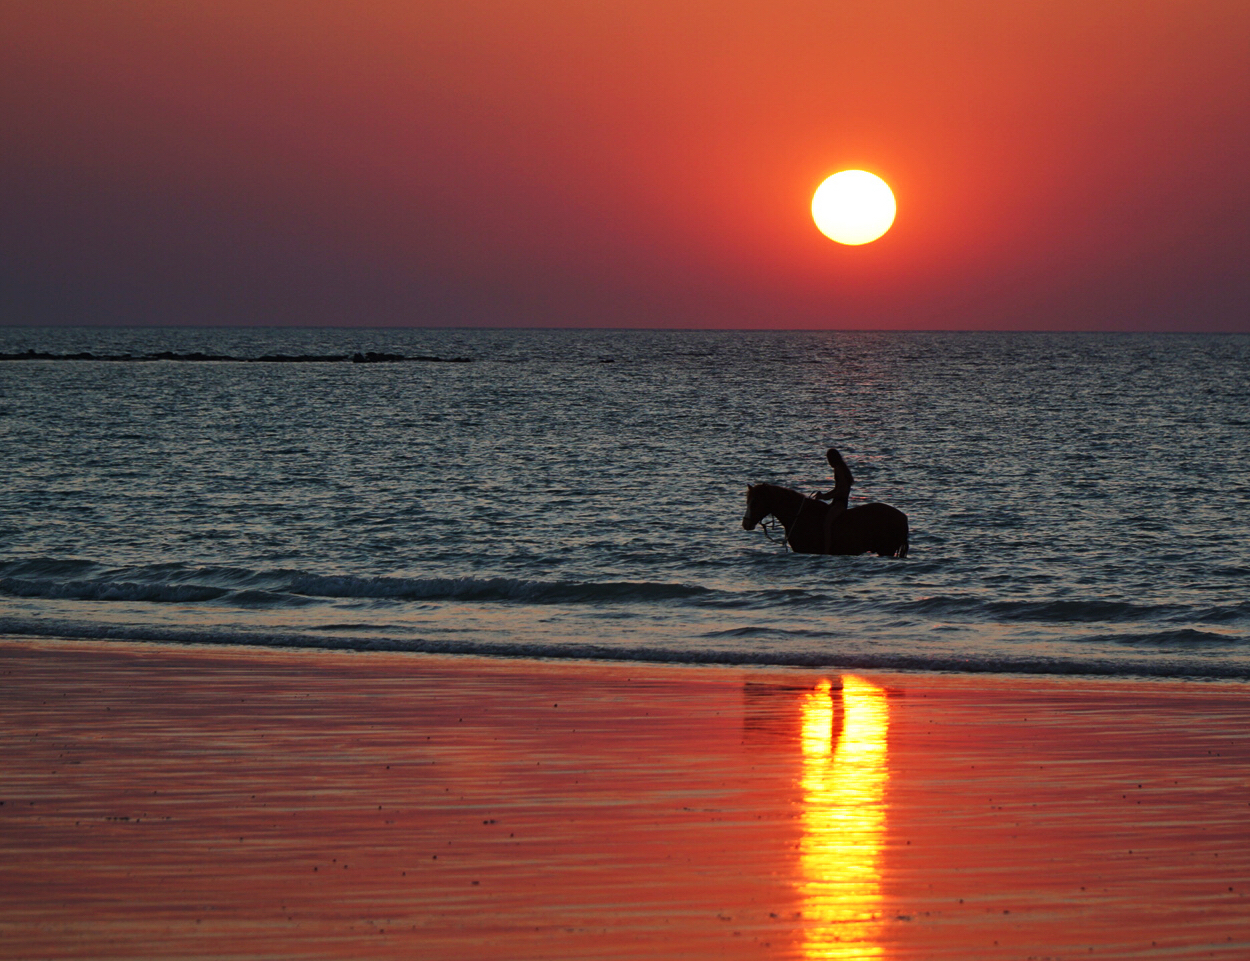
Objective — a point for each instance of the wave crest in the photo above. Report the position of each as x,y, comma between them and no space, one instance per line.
64,580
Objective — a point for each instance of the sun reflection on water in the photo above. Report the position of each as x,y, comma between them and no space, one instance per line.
843,782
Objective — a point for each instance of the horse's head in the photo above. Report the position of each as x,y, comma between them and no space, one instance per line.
756,509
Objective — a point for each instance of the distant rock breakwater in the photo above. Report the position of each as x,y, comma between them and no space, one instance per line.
368,357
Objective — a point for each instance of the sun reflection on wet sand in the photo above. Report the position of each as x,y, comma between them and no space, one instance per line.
843,780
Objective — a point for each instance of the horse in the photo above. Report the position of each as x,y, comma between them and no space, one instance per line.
876,528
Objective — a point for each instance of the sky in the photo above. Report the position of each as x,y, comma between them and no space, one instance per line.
1058,164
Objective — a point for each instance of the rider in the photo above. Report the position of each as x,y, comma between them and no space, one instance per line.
842,481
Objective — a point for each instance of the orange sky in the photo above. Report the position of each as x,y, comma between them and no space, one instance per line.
1068,164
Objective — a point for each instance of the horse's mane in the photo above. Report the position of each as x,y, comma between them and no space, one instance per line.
776,487
777,490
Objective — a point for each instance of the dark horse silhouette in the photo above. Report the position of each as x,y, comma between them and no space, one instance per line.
876,528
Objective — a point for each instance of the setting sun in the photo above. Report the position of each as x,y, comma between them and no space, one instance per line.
853,207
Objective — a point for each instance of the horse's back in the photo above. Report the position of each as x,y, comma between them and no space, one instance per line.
871,528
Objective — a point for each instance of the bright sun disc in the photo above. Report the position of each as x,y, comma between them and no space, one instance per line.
853,207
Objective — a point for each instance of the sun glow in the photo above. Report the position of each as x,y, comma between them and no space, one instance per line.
843,780
853,207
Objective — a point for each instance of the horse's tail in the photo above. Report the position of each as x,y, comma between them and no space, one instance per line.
902,547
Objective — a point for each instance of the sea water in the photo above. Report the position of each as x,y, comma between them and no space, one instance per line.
1078,502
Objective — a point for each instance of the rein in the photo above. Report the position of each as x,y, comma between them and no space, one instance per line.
768,527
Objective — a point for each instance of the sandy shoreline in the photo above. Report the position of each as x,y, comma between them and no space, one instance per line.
163,802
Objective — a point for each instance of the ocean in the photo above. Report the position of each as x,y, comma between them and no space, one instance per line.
1077,502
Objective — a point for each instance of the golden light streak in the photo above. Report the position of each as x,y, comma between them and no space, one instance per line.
843,820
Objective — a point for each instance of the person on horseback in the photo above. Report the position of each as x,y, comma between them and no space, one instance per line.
838,529
838,497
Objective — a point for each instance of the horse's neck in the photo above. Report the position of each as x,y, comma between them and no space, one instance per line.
788,505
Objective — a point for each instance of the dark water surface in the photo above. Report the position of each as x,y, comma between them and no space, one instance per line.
1078,502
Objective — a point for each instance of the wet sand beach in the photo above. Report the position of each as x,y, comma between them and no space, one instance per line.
184,802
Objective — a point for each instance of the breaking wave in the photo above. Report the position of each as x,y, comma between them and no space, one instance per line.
1150,667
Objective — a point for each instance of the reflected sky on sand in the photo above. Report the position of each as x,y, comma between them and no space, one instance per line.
843,781
199,802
